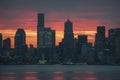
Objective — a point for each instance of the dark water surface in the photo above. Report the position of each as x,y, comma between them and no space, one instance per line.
59,72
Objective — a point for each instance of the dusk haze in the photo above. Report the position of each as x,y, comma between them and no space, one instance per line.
86,15
59,39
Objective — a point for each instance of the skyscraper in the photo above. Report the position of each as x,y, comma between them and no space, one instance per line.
49,44
20,42
41,20
40,30
117,46
100,42
45,40
114,42
68,40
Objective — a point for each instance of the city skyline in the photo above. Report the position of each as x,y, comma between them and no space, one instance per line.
69,51
85,15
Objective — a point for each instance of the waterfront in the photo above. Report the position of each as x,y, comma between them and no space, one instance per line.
59,72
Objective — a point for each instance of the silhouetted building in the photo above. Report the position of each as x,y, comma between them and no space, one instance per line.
117,46
20,43
41,20
40,30
81,46
1,51
100,43
49,44
60,52
113,37
68,41
45,40
82,39
7,44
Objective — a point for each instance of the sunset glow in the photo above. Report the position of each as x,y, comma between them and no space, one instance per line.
85,17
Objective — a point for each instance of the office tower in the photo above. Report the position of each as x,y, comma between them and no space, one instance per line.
114,44
45,40
100,42
49,37
111,39
117,43
7,45
49,44
40,30
117,46
41,20
81,47
20,42
68,40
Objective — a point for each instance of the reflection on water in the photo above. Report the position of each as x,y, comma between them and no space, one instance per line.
30,78
59,75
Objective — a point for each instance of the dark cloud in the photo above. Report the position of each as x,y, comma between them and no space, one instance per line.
10,10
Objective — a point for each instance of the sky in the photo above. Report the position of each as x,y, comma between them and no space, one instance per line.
86,15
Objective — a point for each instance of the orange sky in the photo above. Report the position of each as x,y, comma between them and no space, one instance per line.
32,39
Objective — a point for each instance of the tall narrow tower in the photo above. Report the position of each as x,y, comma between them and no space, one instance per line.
45,40
68,40
41,20
40,30
100,42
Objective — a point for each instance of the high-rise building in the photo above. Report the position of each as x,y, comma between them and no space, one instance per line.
68,41
41,20
117,45
100,42
20,42
117,50
7,44
49,43
40,30
113,38
45,40
81,47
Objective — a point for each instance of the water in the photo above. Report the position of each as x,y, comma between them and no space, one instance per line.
59,72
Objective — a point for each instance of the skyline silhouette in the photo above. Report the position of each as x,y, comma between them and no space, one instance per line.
86,16
71,50
82,32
